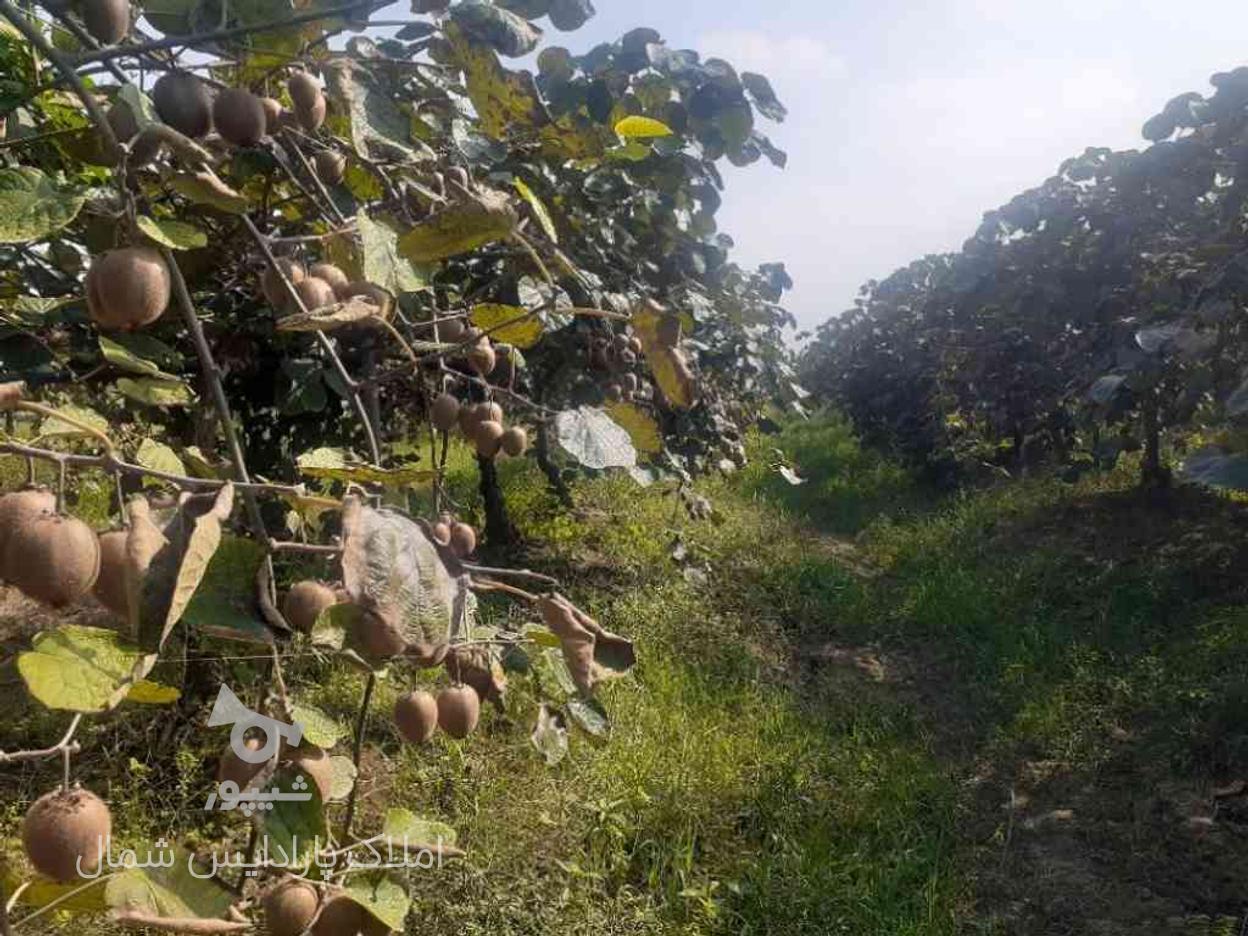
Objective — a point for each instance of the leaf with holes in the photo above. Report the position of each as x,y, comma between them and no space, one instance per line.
318,728
159,457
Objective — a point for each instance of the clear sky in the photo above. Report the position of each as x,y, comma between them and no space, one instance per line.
908,120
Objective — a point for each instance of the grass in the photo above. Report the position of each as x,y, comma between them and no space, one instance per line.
856,704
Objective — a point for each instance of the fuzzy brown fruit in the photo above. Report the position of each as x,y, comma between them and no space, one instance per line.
452,331
304,603
459,710
65,829
110,584
316,766
614,392
375,638
19,509
482,359
184,103
127,288
315,293
330,166
311,118
468,418
442,533
487,437
234,769
53,559
490,411
445,412
630,383
463,540
416,716
515,441
107,21
331,274
272,114
304,89
289,907
271,282
121,119
239,117
342,916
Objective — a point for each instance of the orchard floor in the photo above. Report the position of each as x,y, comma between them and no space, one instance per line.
859,709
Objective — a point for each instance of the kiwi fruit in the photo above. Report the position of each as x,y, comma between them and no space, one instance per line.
233,769
482,359
110,584
64,829
271,282
463,540
620,343
468,418
311,118
304,90
459,710
569,15
289,907
515,441
53,559
488,436
452,331
272,114
127,288
442,533
121,119
331,274
416,716
18,509
668,331
634,345
184,103
375,638
614,392
627,358
370,291
445,412
630,383
315,293
304,603
330,166
316,766
342,916
107,21
239,117
490,411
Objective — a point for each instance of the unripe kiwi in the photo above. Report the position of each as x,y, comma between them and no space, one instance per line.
289,907
272,114
452,331
184,103
331,274
239,116
18,509
63,829
304,90
304,603
668,331
53,559
311,118
416,716
515,441
127,288
234,769
271,282
463,540
330,166
110,584
107,21
316,766
377,639
488,436
444,413
459,710
315,293
482,359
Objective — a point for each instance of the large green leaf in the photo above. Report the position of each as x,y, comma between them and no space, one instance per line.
404,828
639,425
334,464
594,439
156,392
642,128
383,265
56,427
124,357
294,826
380,129
476,220
82,669
32,206
166,890
506,101
505,32
318,727
224,605
176,235
159,457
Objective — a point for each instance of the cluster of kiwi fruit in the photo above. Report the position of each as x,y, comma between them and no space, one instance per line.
619,357
65,831
481,424
291,905
456,711
52,558
317,286
481,354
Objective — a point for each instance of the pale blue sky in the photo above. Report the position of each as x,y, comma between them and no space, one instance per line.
909,119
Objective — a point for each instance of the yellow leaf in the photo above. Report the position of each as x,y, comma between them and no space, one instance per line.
485,217
643,430
521,331
539,210
505,100
147,692
639,128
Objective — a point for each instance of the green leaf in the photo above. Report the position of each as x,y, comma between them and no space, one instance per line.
159,457
641,428
539,209
176,235
380,129
318,728
55,427
524,330
641,128
224,605
333,464
40,892
501,30
590,716
464,226
292,820
168,893
505,100
764,97
403,827
383,266
345,774
32,207
155,392
204,188
382,896
146,692
125,359
140,104
550,735
82,669
552,670
594,439
333,624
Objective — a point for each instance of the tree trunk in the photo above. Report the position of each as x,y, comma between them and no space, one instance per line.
498,528
1152,474
553,475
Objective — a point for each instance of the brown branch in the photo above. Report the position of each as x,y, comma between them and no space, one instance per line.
357,751
65,744
485,586
514,573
